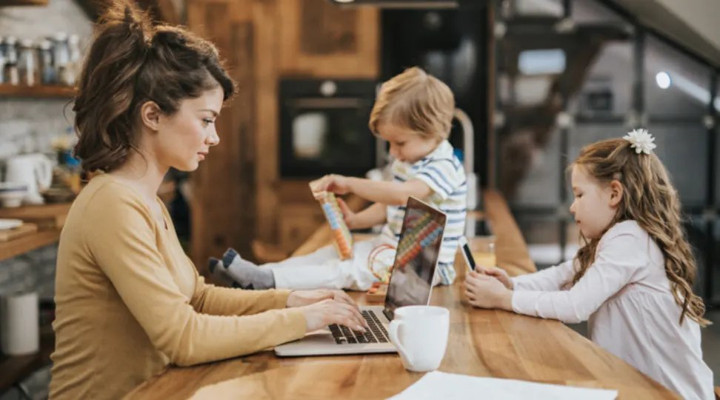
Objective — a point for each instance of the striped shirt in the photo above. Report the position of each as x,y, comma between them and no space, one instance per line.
444,174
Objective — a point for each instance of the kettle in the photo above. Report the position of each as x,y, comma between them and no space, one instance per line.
34,170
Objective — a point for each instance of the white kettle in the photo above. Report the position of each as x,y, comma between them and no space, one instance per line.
34,170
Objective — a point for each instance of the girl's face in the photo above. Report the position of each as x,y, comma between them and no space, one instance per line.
184,139
406,145
595,203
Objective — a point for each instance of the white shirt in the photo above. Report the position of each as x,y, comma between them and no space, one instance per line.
445,176
625,296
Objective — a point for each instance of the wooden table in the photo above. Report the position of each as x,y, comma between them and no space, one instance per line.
481,343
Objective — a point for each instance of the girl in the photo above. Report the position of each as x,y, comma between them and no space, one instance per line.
129,302
633,278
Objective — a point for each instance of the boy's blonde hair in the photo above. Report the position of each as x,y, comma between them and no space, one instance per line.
417,101
650,199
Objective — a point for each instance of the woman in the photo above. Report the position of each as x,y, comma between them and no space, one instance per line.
129,301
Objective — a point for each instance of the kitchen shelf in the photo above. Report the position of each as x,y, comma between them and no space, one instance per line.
40,91
50,217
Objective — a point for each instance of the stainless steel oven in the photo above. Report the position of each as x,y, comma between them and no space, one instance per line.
324,127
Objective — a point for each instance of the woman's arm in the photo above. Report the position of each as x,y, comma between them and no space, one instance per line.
122,240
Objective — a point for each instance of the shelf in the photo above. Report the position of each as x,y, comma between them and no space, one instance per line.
60,92
49,217
28,243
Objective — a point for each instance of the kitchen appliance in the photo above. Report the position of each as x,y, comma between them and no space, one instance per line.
32,170
324,127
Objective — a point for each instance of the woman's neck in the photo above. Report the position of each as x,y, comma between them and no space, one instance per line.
142,173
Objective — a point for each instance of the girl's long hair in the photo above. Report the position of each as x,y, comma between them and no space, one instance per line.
649,199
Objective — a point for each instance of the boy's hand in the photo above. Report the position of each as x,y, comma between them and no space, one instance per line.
496,273
348,214
337,184
487,292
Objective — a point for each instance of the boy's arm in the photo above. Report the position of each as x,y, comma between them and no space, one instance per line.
388,193
367,218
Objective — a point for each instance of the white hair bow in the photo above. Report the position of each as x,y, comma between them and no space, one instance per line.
641,140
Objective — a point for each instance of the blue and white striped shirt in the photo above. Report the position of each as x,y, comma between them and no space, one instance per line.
444,174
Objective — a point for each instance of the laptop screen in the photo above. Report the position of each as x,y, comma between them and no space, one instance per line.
417,255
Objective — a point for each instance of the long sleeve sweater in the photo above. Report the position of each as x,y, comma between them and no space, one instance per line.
129,302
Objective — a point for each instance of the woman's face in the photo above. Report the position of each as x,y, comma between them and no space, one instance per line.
184,139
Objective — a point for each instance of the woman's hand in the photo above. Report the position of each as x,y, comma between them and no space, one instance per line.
487,292
323,307
337,184
326,312
299,298
496,273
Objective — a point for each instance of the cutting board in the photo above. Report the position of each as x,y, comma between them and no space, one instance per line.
20,231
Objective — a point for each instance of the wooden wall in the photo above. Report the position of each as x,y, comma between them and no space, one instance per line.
237,193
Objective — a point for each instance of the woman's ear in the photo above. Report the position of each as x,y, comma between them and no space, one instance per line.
616,192
150,115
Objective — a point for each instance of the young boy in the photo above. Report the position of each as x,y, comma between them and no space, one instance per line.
413,113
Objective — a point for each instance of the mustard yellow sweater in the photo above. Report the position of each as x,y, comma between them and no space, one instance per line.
130,302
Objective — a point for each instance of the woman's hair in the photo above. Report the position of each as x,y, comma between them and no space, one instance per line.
415,100
130,62
650,199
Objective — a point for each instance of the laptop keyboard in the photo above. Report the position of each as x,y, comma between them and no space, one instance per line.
376,333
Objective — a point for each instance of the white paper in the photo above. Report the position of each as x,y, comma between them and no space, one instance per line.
441,385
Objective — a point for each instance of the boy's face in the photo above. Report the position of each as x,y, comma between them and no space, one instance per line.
406,145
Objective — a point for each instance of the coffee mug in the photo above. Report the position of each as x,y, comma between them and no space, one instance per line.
420,334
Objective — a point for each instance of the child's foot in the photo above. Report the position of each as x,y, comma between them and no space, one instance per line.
217,271
246,273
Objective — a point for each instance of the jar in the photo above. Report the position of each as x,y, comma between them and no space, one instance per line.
27,63
11,70
75,61
2,59
61,58
47,70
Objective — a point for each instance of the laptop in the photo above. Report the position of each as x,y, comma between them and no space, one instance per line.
411,283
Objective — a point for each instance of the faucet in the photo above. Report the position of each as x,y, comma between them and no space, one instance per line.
468,157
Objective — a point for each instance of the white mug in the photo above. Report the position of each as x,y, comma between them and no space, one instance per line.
420,334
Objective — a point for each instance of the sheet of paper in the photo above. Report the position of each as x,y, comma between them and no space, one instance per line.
441,385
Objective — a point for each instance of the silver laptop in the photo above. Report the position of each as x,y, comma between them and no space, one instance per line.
411,283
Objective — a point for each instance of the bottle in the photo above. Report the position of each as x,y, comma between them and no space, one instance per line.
47,71
27,63
11,70
2,59
75,62
61,58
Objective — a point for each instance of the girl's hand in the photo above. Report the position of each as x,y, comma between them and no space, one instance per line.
337,184
487,292
326,312
299,298
496,273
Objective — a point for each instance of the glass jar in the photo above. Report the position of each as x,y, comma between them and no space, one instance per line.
47,70
61,58
2,59
75,61
27,63
11,70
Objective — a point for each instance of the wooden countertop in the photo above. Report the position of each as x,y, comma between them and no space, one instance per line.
481,343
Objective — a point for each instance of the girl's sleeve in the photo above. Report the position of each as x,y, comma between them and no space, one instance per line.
122,239
619,258
552,278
